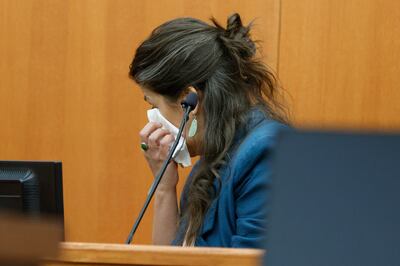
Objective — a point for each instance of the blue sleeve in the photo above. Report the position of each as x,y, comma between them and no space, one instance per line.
251,206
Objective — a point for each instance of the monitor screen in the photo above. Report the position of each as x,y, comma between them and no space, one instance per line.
31,187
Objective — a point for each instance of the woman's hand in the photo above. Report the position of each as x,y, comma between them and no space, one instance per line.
165,216
159,142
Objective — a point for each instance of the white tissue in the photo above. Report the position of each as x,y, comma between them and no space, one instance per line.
181,154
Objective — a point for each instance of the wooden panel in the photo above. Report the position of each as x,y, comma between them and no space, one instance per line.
113,254
339,60
65,95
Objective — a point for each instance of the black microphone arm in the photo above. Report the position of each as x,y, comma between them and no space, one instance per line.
188,104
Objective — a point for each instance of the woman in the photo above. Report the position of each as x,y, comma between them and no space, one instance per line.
231,129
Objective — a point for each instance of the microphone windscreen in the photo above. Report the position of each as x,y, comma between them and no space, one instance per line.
190,100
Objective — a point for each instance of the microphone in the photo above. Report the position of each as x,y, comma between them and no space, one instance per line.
188,105
190,101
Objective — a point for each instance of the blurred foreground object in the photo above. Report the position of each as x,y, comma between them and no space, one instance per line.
335,200
24,241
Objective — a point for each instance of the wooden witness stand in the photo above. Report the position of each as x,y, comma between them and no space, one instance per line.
117,254
25,241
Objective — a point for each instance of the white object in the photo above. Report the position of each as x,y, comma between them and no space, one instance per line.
181,154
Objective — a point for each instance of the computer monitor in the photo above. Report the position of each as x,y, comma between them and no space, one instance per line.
335,200
32,187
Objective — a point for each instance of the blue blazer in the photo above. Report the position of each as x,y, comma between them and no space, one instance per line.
237,217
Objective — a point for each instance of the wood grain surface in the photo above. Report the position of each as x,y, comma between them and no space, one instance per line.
115,254
339,61
65,95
